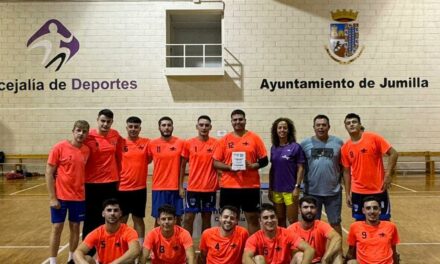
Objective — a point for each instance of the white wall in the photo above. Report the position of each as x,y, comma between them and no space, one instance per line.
275,40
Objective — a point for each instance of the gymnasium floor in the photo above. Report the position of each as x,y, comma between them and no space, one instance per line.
25,224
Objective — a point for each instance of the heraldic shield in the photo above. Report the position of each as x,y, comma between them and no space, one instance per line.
344,37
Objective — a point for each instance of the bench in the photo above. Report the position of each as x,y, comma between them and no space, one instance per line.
411,164
417,161
18,160
21,157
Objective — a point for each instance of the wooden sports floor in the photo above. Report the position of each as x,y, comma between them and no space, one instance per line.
25,223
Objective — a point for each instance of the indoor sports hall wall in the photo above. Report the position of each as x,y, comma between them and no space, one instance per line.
118,48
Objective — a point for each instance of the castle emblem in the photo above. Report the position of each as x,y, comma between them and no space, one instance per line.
344,37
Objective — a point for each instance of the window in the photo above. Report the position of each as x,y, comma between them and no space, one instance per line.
194,42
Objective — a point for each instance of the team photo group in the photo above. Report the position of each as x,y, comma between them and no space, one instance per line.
99,177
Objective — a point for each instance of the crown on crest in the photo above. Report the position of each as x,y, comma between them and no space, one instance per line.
344,15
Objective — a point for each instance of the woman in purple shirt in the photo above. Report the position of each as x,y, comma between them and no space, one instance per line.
286,172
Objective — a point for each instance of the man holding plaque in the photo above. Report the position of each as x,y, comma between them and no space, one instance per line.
239,155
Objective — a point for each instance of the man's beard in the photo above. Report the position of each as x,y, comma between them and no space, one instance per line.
166,135
308,217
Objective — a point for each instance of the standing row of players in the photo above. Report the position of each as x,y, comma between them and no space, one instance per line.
108,162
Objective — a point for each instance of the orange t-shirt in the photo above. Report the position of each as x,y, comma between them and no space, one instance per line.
70,163
202,175
277,250
223,250
316,236
254,147
134,164
110,246
364,158
168,250
373,243
105,153
166,158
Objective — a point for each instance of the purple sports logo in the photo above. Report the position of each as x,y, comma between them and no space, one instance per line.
59,43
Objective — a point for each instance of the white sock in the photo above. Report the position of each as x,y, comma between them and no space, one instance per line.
141,241
70,256
53,260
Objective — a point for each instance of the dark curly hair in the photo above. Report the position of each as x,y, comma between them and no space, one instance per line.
291,131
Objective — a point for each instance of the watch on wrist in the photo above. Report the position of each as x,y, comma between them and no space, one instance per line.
297,185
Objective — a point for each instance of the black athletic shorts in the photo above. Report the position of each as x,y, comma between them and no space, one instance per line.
133,202
247,199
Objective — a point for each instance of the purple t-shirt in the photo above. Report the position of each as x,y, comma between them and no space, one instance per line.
285,160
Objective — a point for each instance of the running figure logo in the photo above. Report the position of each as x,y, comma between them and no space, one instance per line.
59,43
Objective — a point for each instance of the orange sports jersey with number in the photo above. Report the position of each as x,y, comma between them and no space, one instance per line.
223,250
316,236
134,169
168,250
373,243
254,147
277,250
70,163
110,246
105,152
202,175
166,158
364,158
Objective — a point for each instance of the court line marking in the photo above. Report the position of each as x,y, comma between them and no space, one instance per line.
393,192
400,244
21,183
405,188
59,251
24,195
27,189
343,229
19,200
418,243
415,196
12,247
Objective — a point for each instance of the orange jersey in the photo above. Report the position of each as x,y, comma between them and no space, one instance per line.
223,250
168,250
373,243
364,158
134,169
166,157
70,163
316,236
103,165
277,250
202,175
110,246
254,147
